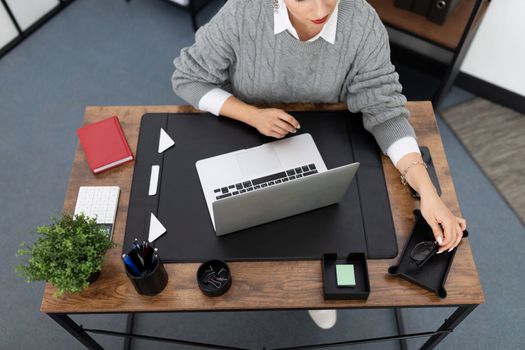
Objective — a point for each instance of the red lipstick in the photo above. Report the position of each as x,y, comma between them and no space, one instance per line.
320,21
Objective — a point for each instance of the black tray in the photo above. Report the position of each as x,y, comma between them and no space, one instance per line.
433,274
362,282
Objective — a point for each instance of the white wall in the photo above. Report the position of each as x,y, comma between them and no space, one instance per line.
497,54
7,29
28,12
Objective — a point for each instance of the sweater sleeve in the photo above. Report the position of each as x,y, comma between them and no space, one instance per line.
205,65
375,89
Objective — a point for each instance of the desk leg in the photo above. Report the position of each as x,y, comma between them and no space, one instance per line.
450,323
130,322
400,328
75,330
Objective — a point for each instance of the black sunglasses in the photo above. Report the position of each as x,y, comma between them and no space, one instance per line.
422,252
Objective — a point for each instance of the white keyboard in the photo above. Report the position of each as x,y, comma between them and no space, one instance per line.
100,203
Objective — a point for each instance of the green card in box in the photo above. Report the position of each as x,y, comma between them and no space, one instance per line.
345,275
345,278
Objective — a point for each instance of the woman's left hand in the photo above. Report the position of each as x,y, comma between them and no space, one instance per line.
447,228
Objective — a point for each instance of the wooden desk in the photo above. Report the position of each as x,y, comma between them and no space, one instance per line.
251,289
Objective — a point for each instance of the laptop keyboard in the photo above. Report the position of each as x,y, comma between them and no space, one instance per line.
265,181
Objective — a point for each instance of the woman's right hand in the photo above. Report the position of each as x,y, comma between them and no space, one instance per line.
273,122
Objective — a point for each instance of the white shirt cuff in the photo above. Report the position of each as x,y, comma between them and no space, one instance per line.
213,100
401,148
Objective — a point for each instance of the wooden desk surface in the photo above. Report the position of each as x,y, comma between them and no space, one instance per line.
269,284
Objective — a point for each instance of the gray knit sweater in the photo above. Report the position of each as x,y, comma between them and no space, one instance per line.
239,52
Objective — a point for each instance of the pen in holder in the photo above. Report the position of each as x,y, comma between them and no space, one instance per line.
145,269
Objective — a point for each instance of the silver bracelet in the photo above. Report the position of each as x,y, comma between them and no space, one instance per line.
403,176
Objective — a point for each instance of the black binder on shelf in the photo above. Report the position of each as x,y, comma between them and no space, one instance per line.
403,4
421,6
439,10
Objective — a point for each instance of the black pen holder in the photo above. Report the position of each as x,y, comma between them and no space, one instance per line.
152,283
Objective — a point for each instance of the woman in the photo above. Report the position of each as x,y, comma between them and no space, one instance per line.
281,51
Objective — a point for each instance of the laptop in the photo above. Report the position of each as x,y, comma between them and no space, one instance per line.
249,187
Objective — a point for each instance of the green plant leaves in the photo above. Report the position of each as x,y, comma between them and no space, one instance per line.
66,253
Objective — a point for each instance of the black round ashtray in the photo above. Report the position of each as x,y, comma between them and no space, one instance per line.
214,278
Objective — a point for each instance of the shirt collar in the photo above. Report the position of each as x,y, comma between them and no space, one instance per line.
282,22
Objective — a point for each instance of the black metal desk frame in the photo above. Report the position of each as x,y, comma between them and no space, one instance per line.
448,326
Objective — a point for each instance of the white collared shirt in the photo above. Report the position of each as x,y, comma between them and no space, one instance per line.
213,100
281,22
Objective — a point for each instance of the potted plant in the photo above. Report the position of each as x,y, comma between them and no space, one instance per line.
68,253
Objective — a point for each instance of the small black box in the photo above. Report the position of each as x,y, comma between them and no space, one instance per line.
361,290
439,10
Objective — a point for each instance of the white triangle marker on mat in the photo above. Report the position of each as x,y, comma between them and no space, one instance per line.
165,141
155,228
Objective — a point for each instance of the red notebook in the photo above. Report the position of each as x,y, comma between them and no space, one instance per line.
104,144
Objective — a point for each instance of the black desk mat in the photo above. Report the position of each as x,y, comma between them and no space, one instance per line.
181,208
